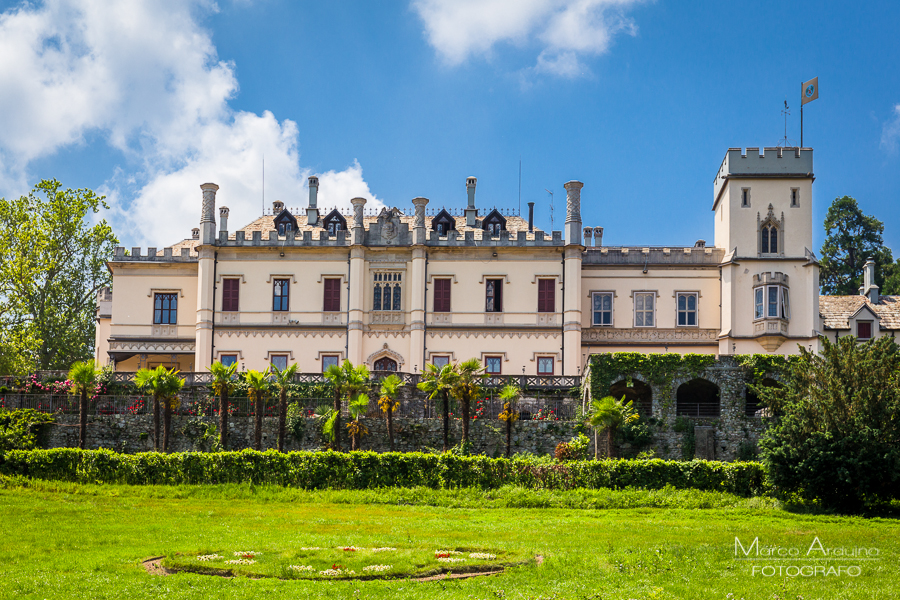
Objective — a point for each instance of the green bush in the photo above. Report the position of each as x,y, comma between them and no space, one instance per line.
368,470
22,429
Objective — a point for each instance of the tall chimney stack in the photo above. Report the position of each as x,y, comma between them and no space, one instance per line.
223,219
207,218
471,211
869,288
531,216
312,211
573,212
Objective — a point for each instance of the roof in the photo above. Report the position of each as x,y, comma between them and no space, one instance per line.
838,310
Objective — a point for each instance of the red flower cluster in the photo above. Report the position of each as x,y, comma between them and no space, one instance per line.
442,555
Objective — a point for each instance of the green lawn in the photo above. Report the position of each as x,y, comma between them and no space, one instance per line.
69,541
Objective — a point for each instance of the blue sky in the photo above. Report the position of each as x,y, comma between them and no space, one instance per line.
393,100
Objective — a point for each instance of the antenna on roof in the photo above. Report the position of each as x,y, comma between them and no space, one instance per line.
786,111
551,207
264,186
520,185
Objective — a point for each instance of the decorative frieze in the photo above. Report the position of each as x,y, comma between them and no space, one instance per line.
648,335
151,346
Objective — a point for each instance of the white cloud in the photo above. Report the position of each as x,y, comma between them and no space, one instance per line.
890,132
460,29
146,76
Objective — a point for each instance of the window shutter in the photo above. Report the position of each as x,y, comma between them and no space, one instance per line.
441,295
546,296
230,294
332,295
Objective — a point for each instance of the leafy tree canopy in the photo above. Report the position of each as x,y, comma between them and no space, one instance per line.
852,237
52,264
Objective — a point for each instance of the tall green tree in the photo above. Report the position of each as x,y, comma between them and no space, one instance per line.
852,237
390,389
438,382
52,264
223,382
510,395
468,389
258,385
282,380
348,382
608,414
83,377
163,384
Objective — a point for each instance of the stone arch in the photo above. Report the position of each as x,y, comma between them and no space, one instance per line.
385,352
640,394
752,407
698,398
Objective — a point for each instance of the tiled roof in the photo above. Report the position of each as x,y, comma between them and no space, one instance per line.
837,310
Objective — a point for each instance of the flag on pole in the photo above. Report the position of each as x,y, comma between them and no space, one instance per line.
810,91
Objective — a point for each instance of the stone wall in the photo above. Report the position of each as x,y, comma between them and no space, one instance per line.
134,433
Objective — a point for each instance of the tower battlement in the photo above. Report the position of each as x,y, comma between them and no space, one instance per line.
771,163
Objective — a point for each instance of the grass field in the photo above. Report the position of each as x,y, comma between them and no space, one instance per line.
64,540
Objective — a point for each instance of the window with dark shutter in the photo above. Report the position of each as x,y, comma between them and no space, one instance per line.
230,294
864,330
332,295
546,295
442,295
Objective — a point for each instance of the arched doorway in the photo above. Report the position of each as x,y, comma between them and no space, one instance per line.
640,394
698,398
752,406
385,364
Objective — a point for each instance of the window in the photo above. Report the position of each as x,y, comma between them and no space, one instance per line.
768,239
864,330
493,295
771,302
333,227
745,197
545,365
442,295
492,364
387,291
546,295
602,308
643,309
329,360
284,228
230,294
228,359
440,361
386,364
282,295
795,197
332,295
279,361
686,305
493,229
165,309
442,228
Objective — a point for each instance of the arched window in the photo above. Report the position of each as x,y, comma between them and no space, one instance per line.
385,364
769,239
697,398
640,394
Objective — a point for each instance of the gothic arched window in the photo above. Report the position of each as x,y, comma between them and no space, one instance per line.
769,239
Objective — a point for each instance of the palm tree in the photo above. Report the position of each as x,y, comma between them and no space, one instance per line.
222,384
83,377
357,406
467,390
390,389
609,414
281,380
258,384
348,381
164,385
510,394
438,383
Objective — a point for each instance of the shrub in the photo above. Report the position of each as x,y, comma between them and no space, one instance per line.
22,429
366,470
574,449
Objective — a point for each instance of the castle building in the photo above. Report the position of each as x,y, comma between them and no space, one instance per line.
399,289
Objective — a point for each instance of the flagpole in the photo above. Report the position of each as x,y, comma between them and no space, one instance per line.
801,114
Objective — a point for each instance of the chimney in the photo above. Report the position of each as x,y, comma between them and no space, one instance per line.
207,220
471,211
277,207
531,216
700,244
588,232
358,231
223,219
195,233
312,211
598,236
573,212
869,288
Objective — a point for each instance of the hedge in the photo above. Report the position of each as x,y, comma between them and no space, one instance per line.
364,470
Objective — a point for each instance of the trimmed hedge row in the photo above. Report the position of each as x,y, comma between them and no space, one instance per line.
364,470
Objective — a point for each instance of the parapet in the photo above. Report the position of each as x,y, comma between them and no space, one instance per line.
653,256
184,255
771,163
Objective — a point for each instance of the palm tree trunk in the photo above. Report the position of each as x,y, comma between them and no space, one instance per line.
223,419
82,419
257,431
167,423
508,432
282,419
155,424
596,446
465,419
446,422
337,423
390,420
353,441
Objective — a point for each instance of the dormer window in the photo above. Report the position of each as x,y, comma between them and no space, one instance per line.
494,223
285,222
443,223
334,223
